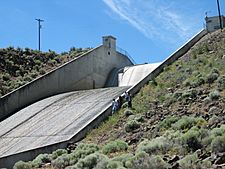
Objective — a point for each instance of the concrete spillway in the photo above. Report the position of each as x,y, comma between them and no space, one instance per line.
131,75
52,120
59,118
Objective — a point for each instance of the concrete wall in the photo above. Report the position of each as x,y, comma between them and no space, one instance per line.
86,72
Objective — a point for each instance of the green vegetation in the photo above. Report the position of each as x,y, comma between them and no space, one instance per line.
177,120
131,125
115,146
20,66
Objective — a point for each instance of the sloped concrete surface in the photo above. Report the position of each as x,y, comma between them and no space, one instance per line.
52,120
131,75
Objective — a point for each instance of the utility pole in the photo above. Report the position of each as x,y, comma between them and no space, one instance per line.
218,5
39,33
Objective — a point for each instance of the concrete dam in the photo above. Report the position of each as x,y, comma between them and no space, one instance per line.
62,106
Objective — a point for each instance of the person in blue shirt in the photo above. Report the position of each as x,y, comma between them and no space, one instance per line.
114,106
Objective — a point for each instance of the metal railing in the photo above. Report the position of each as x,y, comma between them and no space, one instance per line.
124,52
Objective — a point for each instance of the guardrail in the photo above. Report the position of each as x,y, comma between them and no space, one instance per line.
124,52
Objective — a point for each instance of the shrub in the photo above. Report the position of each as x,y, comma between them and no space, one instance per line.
62,161
115,146
139,118
128,112
191,138
212,135
200,61
221,82
82,151
143,161
169,99
40,159
214,70
90,161
131,117
189,161
218,144
199,81
5,89
172,135
191,93
212,77
36,67
22,165
218,131
196,81
177,94
102,163
123,158
131,125
205,164
42,71
27,78
213,120
200,122
159,144
34,75
52,62
158,162
6,77
167,123
58,153
187,82
205,48
115,165
185,123
37,62
124,105
140,161
214,95
88,147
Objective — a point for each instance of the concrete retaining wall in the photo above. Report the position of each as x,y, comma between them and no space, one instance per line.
85,72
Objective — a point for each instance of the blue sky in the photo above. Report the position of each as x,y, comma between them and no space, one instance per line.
149,30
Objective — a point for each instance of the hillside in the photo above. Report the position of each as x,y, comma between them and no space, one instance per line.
20,66
177,121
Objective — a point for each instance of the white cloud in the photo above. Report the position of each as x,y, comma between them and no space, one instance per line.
153,18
